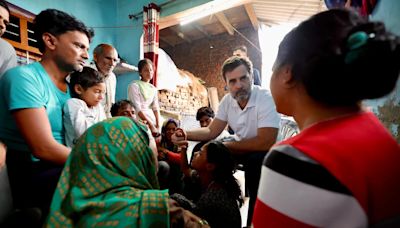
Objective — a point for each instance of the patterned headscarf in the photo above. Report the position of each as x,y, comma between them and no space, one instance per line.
110,180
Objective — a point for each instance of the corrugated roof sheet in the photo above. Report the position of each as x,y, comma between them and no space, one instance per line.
272,12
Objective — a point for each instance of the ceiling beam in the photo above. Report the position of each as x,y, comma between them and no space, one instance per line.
211,7
166,41
181,34
225,22
198,27
252,15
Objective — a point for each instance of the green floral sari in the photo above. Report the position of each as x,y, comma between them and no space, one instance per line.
110,180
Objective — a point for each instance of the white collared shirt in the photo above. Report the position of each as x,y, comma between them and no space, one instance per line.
259,112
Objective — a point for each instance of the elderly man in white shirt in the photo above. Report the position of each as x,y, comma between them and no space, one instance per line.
250,111
105,58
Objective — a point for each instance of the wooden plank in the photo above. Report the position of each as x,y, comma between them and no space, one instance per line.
198,27
23,31
252,15
23,47
211,7
225,22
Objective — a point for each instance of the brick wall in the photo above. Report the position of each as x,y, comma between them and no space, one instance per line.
205,62
182,101
185,100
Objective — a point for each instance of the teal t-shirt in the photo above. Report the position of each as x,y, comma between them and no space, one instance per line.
29,86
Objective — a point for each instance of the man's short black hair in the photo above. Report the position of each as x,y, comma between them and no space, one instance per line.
4,5
119,104
234,61
204,111
57,22
88,77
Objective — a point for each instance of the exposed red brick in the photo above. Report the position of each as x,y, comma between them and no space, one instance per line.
205,62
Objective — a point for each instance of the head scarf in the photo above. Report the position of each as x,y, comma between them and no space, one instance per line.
110,180
146,89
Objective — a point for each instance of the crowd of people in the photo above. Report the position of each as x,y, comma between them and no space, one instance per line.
78,157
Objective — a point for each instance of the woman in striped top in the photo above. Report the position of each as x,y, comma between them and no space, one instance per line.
342,170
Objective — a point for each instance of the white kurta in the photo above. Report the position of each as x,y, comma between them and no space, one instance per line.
78,117
143,105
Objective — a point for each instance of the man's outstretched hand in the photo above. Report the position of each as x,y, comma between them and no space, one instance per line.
179,138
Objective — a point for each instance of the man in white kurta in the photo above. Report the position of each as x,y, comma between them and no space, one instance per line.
105,58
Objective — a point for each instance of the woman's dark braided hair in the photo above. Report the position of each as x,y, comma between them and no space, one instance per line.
341,58
219,155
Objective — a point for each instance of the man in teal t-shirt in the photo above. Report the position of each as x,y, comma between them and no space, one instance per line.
29,87
31,101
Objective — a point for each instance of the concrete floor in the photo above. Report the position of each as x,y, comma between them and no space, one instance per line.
243,210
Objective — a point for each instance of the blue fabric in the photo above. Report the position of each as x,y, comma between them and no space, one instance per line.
256,77
29,87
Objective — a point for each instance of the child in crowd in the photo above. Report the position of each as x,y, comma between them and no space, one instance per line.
168,152
84,109
123,108
212,172
205,116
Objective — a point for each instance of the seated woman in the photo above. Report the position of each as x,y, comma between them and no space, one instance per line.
109,182
169,156
212,173
144,96
342,169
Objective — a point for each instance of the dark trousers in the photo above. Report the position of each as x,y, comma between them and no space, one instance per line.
32,182
170,177
252,167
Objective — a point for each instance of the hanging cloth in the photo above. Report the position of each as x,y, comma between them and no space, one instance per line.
151,16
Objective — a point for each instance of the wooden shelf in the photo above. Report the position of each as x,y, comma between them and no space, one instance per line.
21,35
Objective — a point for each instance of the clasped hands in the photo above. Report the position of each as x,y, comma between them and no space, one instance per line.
179,138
